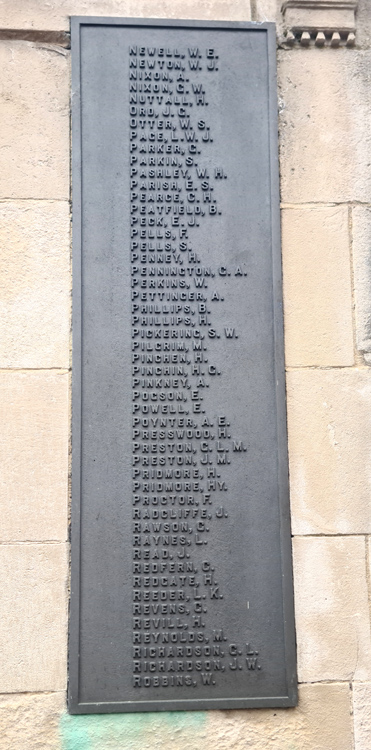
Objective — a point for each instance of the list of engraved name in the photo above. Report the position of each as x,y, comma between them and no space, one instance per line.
180,447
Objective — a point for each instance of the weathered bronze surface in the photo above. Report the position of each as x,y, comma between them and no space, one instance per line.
181,558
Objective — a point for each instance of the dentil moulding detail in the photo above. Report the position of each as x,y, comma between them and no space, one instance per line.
320,23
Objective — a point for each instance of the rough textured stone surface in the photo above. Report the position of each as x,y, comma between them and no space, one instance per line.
362,715
331,606
34,284
323,146
317,286
329,421
33,623
364,23
361,229
33,456
54,14
30,722
34,136
321,722
268,10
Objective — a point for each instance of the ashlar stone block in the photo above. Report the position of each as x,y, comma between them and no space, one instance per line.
51,14
364,24
33,623
35,112
317,286
268,10
30,721
331,607
34,284
361,231
362,715
322,721
329,428
34,417
325,140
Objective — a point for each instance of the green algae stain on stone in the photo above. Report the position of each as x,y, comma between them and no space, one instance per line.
73,733
140,731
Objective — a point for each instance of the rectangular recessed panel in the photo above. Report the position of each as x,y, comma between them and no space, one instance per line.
181,561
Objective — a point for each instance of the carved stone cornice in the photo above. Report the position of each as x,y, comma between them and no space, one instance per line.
319,23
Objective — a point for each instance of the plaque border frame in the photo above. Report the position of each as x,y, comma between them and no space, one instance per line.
191,704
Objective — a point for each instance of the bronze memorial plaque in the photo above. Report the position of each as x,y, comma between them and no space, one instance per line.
181,556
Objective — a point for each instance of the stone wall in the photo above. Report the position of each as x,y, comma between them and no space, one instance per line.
325,114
